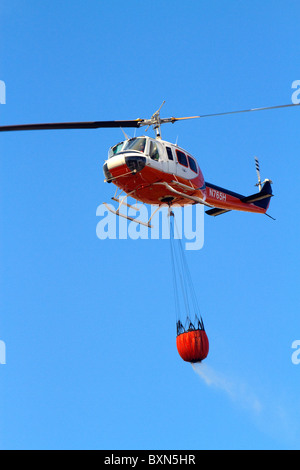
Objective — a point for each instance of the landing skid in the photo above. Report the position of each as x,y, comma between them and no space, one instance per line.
122,202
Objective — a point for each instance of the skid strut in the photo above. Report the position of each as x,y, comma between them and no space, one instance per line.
132,219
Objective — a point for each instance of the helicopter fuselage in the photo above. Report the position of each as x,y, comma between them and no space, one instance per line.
145,173
158,172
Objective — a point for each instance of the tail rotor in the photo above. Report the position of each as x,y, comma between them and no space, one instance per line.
259,184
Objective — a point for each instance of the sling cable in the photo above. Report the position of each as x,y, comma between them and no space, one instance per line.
192,341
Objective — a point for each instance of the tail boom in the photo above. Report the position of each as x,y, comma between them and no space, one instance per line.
224,200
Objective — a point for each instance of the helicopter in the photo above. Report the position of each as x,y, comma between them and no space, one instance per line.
157,172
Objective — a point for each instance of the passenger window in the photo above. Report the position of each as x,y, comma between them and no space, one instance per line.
154,152
193,165
182,158
170,153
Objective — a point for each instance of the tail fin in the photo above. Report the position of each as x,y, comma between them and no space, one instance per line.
261,199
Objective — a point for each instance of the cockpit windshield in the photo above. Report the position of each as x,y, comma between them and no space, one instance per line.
138,143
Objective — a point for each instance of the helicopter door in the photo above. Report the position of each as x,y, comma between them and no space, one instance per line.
157,155
171,165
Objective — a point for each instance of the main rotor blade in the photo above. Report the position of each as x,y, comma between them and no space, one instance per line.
71,125
132,123
236,112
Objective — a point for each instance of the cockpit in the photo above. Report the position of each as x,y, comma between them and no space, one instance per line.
137,143
145,145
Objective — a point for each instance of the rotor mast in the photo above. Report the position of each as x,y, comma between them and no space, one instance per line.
155,121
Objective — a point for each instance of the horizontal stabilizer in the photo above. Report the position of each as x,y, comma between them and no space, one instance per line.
216,211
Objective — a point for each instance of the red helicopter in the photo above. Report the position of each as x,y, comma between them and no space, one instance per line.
157,172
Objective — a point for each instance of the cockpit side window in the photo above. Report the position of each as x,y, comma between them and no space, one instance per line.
154,150
115,149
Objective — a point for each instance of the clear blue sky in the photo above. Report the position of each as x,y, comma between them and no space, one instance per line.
89,325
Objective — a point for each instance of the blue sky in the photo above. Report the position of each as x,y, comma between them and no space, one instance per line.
89,325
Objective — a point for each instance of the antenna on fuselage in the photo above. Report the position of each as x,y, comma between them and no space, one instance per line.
125,135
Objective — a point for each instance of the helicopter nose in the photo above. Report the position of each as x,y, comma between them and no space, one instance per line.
135,163
107,173
121,165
